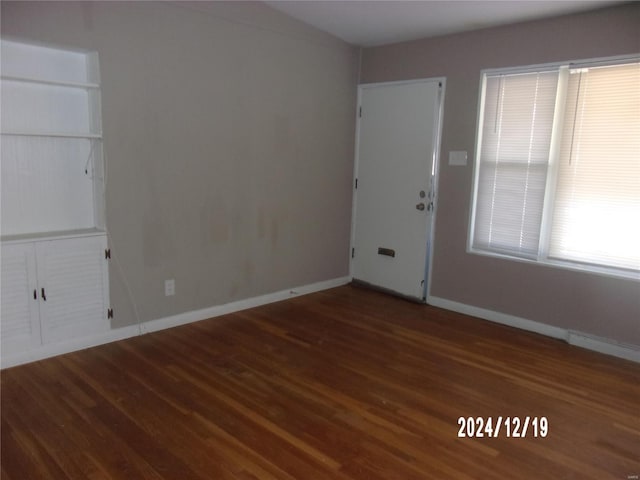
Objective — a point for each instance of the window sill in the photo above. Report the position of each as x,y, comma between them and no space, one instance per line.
562,264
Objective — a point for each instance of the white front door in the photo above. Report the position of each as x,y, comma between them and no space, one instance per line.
398,136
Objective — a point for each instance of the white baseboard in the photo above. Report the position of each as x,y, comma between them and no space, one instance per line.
216,311
579,339
604,345
51,350
503,318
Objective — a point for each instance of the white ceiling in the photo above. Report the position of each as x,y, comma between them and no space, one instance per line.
372,23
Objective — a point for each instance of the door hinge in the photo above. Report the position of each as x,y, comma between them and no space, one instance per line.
107,253
110,313
353,252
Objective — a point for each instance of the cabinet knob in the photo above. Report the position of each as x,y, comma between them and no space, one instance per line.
44,295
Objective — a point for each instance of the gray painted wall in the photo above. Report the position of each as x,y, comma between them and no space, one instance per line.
601,306
229,132
229,135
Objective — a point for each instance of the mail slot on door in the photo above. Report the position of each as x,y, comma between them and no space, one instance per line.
389,252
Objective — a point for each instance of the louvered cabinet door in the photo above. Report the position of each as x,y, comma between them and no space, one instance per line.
73,280
19,304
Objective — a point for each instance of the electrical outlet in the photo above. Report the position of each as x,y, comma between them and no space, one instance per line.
169,287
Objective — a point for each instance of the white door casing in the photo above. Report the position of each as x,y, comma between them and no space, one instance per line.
397,143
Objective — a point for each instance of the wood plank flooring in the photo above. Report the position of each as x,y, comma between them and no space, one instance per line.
343,384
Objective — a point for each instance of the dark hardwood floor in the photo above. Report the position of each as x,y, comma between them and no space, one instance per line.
343,384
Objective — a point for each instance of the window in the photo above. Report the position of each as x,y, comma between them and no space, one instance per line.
557,174
51,147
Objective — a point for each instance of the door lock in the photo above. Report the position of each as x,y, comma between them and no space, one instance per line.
420,206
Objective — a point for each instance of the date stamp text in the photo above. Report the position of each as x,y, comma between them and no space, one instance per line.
508,427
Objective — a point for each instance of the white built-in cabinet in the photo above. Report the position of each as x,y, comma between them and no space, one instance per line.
53,291
54,267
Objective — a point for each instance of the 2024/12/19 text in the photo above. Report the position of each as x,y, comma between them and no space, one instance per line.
510,427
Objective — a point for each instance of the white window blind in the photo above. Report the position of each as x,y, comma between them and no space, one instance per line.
558,165
596,214
514,153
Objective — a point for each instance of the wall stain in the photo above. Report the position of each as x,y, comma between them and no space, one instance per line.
159,246
215,223
274,233
262,224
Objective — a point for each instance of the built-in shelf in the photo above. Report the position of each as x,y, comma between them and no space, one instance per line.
52,165
55,274
39,236
53,134
56,83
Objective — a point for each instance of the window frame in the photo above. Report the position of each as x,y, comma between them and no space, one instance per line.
542,257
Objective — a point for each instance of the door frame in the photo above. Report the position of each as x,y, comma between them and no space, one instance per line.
435,171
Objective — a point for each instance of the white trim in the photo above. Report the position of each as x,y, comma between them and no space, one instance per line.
401,82
583,63
435,184
18,133
46,236
354,190
502,318
579,339
50,350
604,345
600,270
59,348
542,257
216,311
475,172
56,83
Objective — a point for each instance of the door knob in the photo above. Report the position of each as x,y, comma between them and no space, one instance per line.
420,206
